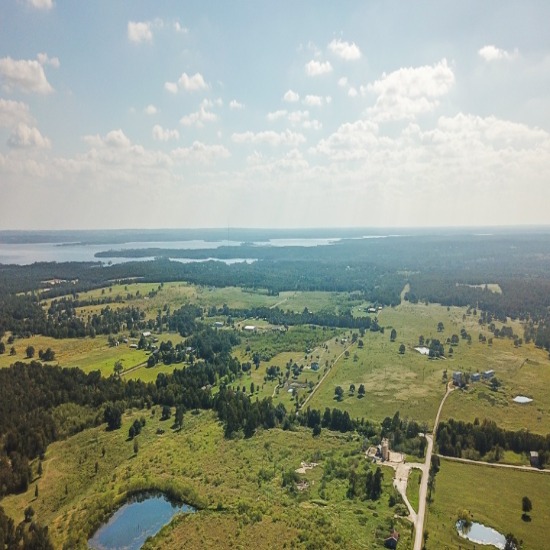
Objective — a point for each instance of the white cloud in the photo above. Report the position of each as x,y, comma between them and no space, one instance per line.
492,53
171,87
313,100
410,91
178,28
26,137
150,110
234,105
291,97
311,125
271,138
296,117
316,68
199,117
164,134
192,83
200,152
26,75
276,115
345,50
44,59
116,139
140,31
352,92
41,4
188,83
343,81
13,113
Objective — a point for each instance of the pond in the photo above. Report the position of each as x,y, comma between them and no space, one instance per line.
480,534
522,399
141,517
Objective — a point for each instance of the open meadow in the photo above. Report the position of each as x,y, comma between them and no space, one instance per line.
88,475
493,496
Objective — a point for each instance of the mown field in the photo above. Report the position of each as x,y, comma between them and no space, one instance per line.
86,476
494,498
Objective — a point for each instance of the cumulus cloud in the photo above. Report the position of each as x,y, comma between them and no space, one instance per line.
276,115
25,75
352,92
271,138
291,97
140,31
343,81
44,59
41,4
179,28
313,100
201,116
171,87
116,139
188,83
200,152
317,68
492,53
26,137
13,113
234,105
150,110
410,91
164,134
345,50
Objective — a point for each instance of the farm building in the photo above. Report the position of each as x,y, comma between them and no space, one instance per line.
249,328
392,540
534,459
488,374
218,324
476,377
146,334
457,378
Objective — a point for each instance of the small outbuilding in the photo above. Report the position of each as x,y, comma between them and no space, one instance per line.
534,459
392,540
249,328
475,377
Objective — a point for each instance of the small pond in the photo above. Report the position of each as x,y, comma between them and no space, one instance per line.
522,399
480,534
141,517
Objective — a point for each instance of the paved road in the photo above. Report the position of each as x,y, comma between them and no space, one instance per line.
495,465
419,526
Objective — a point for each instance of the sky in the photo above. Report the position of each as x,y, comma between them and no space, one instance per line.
271,114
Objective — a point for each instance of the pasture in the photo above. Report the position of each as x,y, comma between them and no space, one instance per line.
494,498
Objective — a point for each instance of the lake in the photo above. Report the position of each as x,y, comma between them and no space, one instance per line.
141,517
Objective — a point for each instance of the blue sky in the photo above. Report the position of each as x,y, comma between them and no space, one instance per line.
273,114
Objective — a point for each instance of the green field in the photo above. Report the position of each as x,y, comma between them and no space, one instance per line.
237,496
494,498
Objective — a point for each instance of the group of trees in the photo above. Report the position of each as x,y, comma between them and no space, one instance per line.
481,439
277,316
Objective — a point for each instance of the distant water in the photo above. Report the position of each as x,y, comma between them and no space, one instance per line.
141,517
28,253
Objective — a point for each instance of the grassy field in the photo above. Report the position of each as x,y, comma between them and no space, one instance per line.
413,486
239,497
494,497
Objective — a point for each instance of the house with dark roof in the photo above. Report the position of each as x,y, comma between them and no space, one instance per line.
392,540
